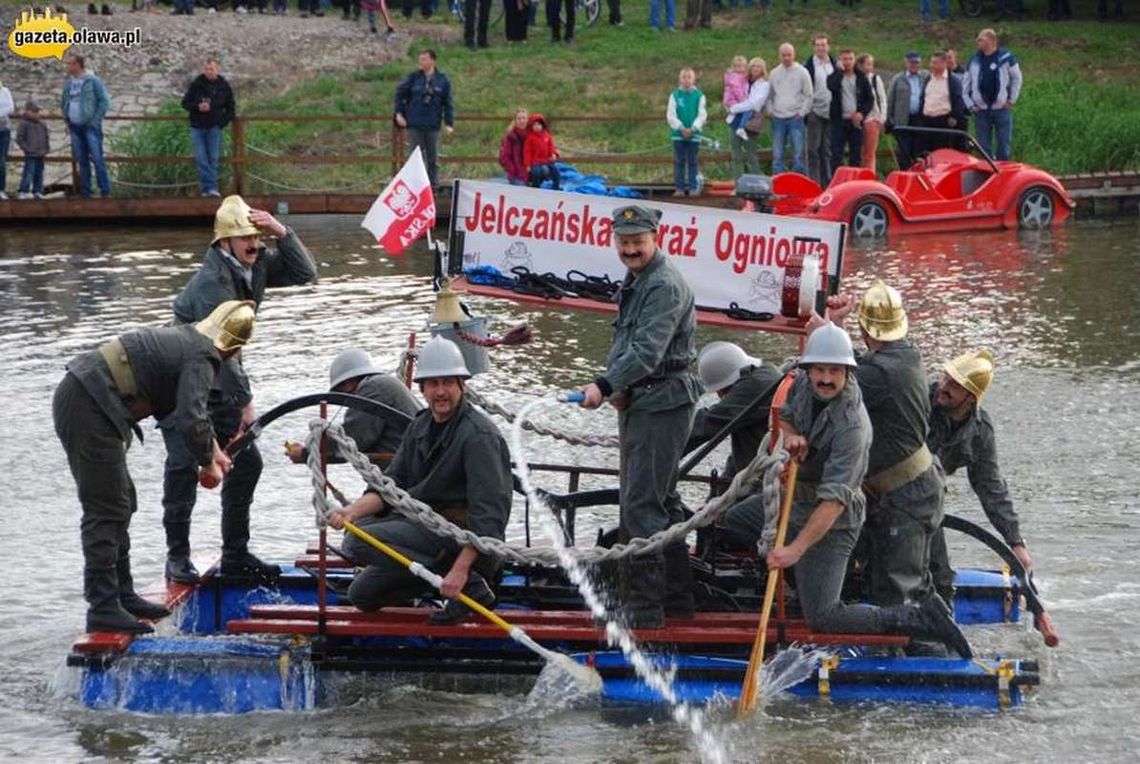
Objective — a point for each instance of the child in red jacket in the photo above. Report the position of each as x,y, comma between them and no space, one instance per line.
539,153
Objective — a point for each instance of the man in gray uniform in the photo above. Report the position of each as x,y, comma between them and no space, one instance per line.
905,484
164,372
353,372
454,459
648,381
236,267
962,435
738,380
826,427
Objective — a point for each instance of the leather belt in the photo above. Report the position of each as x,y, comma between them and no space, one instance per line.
901,473
120,366
124,378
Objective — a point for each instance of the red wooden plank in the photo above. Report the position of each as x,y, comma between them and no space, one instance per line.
520,617
713,318
331,562
101,642
479,630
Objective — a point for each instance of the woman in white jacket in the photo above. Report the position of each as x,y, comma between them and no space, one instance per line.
7,107
873,122
745,152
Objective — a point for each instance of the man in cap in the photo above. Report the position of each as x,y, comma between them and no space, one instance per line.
353,372
827,429
647,380
904,107
454,459
962,435
161,372
904,482
236,266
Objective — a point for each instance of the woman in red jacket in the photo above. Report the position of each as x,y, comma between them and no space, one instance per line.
511,150
539,153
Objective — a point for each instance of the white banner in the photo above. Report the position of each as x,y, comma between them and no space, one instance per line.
726,256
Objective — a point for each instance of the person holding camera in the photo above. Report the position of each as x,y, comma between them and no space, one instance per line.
423,103
210,102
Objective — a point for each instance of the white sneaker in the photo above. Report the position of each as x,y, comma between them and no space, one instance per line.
728,120
742,134
37,196
23,195
3,196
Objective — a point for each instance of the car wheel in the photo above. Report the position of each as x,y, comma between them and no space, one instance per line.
869,220
971,8
1035,210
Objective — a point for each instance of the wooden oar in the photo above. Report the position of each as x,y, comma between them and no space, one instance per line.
751,686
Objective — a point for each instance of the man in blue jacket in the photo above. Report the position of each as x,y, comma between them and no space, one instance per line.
423,101
236,267
84,103
991,88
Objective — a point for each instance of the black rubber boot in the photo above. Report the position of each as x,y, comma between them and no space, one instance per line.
245,563
678,582
643,587
178,566
928,620
237,560
132,602
104,613
455,611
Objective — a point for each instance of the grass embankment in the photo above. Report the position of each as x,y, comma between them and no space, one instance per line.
1079,110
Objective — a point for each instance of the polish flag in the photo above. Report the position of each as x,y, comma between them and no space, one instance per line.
405,209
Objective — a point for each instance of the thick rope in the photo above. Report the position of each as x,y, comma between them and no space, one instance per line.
490,407
762,474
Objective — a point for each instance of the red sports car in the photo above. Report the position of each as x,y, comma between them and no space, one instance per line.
947,190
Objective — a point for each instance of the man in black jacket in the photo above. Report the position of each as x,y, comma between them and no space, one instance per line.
851,100
210,101
942,105
236,267
820,65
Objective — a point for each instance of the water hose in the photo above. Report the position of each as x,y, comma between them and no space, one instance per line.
586,676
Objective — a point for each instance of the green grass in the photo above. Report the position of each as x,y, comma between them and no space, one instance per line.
1079,110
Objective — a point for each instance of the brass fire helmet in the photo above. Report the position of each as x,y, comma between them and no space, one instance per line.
230,325
881,313
232,219
973,371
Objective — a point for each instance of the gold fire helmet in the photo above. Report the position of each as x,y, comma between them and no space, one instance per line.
230,325
973,371
881,313
232,219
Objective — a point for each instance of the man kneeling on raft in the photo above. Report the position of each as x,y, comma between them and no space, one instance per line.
454,459
826,428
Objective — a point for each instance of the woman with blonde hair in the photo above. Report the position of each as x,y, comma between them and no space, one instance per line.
744,150
873,122
511,149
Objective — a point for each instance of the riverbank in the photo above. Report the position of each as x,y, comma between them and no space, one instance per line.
1073,116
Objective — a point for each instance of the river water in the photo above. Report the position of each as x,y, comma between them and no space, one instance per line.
1060,310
